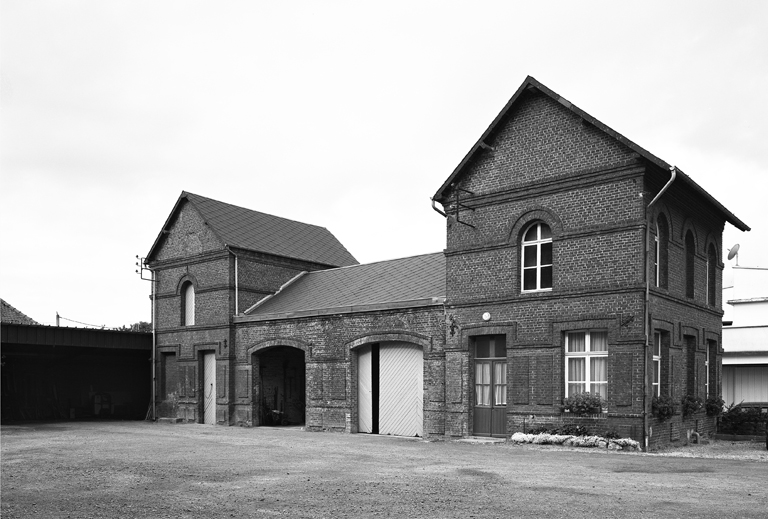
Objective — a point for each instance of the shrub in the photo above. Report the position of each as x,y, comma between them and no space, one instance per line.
611,435
572,429
662,407
714,405
737,419
583,403
691,404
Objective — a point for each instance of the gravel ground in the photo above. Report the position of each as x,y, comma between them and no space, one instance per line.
138,469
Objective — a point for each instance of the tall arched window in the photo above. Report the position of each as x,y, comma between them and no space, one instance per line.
690,258
661,257
537,258
188,304
711,275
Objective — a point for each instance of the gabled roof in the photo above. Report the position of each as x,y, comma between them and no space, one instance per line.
531,83
404,282
246,229
10,315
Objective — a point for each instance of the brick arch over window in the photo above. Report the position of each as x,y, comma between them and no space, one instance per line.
272,343
392,336
531,215
687,226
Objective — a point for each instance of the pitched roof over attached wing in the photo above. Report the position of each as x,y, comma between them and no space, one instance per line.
531,83
10,315
243,228
398,283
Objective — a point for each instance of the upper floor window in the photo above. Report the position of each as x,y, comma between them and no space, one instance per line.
188,304
711,275
586,362
690,258
537,258
661,246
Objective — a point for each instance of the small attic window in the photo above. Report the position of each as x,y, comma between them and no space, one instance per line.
187,304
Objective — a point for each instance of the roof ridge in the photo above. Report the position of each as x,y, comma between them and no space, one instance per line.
375,262
187,193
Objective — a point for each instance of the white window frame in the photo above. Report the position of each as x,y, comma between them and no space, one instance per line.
188,302
656,386
538,242
587,354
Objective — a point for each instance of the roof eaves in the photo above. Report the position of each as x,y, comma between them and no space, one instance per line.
369,307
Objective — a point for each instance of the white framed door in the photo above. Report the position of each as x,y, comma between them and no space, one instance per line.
209,388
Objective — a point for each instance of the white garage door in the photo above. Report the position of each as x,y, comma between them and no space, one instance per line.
391,394
364,390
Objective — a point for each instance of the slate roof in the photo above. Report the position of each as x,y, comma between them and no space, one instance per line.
247,229
10,315
531,83
392,283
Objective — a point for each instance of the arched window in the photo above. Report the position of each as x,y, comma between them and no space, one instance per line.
661,258
187,304
537,258
711,275
690,258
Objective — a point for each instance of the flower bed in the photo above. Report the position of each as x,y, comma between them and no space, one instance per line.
569,440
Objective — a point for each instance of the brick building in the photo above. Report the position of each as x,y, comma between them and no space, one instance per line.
563,239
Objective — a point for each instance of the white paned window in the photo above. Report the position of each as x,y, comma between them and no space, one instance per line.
586,362
483,383
656,363
188,302
537,258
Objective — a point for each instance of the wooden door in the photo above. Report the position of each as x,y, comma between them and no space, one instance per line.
401,405
490,406
364,391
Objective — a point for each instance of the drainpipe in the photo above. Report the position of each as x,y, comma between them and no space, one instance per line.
647,306
154,348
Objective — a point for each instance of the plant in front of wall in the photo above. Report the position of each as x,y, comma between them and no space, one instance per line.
662,407
691,404
583,403
714,405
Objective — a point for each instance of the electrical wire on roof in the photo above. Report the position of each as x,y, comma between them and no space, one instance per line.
102,326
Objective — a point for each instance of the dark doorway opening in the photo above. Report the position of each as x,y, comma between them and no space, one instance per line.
282,386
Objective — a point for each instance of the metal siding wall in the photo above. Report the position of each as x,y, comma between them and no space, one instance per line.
402,396
364,396
209,388
751,383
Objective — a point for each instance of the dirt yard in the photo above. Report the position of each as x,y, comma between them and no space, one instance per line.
140,469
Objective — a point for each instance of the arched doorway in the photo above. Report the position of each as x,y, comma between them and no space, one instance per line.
279,396
390,387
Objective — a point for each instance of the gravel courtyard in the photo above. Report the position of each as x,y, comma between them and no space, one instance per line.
141,469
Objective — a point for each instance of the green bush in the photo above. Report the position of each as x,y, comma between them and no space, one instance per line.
662,407
583,403
714,406
691,404
737,419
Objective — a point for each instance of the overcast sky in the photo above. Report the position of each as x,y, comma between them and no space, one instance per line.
348,115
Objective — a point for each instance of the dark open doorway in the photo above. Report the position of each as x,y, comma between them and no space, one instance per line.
281,398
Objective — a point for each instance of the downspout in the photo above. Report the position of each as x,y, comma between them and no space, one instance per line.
647,306
154,349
